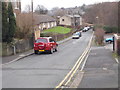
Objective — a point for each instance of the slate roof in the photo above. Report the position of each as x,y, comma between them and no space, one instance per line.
73,16
42,19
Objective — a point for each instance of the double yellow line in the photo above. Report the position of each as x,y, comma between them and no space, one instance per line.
69,76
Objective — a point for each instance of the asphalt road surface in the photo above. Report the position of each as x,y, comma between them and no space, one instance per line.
44,70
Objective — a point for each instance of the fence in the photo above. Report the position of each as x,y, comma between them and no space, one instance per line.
19,46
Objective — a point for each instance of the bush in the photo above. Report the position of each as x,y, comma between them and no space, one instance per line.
46,34
109,29
99,36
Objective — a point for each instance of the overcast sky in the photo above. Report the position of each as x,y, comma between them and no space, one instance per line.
49,4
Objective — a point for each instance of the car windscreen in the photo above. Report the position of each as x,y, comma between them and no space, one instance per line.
41,40
76,34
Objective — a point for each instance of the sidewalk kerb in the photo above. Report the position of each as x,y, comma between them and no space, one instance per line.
21,57
18,58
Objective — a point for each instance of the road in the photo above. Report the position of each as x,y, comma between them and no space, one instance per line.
45,70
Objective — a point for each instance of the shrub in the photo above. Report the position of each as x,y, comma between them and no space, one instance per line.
99,35
109,29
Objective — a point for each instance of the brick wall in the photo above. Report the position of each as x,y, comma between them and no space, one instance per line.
116,43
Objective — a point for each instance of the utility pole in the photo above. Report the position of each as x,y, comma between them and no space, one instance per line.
32,20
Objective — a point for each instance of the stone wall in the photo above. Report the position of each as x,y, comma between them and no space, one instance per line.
18,47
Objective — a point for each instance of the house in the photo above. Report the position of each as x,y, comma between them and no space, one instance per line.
70,20
42,22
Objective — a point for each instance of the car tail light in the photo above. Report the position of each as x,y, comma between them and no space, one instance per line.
35,45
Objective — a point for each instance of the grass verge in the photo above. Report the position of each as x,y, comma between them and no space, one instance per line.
58,29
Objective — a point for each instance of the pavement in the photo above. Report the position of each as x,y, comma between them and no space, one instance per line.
101,69
13,58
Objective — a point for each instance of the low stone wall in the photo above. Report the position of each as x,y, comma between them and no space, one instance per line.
20,46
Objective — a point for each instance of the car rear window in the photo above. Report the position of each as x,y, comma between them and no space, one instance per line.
41,40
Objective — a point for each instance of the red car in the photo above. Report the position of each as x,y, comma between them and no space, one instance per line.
45,44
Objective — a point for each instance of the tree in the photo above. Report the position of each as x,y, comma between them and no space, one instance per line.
106,13
99,36
27,8
24,25
58,11
4,23
41,10
11,23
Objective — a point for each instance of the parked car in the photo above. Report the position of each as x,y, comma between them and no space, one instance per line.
76,35
110,40
79,33
45,44
86,29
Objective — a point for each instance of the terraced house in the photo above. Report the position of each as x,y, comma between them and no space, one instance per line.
42,22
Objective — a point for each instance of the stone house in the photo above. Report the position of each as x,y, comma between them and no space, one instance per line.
70,20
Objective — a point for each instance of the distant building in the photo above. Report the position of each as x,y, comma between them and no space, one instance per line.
42,22
70,20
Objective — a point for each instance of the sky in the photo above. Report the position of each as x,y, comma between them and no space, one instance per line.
49,4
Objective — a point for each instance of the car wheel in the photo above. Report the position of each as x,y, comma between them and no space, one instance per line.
56,49
51,51
110,41
36,51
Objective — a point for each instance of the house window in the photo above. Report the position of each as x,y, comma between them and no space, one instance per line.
63,19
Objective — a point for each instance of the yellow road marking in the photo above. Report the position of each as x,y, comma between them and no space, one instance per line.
76,66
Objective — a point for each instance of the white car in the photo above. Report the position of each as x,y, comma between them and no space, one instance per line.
86,28
76,36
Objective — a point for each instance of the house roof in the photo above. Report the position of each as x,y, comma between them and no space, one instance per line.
42,19
76,15
73,16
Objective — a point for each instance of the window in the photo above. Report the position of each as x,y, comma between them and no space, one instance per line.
41,40
63,19
51,40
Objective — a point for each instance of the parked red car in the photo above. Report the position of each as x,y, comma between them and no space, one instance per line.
45,44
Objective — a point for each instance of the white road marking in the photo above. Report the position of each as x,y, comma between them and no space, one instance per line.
117,60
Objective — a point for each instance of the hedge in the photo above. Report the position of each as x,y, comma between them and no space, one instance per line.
109,29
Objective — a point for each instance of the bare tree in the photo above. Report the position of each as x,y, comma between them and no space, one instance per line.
58,11
24,24
99,36
106,12
41,10
27,9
